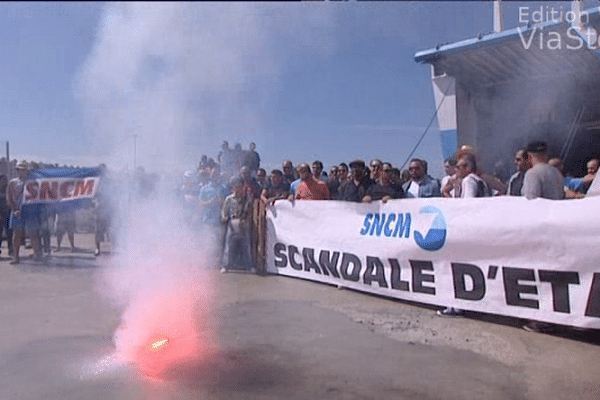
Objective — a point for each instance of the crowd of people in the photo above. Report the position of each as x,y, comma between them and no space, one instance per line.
221,195
40,224
225,188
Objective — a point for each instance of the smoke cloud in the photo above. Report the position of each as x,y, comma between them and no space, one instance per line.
164,82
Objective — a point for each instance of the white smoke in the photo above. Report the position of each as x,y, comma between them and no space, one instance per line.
171,76
180,75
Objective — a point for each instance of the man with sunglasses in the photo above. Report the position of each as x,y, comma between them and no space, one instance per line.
384,189
420,184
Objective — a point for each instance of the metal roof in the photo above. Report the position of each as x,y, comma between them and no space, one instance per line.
512,55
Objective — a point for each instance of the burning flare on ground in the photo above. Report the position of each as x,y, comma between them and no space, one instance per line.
166,331
158,345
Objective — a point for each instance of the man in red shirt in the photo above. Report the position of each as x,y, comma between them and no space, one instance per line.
310,189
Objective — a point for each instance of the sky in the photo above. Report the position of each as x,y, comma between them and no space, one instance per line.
160,84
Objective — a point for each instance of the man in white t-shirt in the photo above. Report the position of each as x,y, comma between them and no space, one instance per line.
471,184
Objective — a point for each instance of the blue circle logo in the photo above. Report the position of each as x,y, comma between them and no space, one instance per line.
436,236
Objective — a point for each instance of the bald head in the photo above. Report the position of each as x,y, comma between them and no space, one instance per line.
556,163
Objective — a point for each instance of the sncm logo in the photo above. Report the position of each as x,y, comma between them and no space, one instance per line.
397,225
436,236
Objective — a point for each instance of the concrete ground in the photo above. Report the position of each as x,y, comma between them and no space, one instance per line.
281,338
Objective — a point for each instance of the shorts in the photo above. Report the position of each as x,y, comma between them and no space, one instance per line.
28,223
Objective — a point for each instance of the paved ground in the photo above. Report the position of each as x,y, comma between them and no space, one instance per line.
281,338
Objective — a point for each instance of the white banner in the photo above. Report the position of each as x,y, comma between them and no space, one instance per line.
535,259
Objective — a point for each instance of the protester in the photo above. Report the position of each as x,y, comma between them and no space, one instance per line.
317,171
102,210
497,187
236,215
226,158
21,225
515,182
251,159
471,186
276,188
448,179
46,228
541,180
261,178
238,156
356,187
65,223
376,169
343,174
396,177
333,172
250,186
384,189
420,184
189,197
211,198
5,215
309,188
333,182
288,172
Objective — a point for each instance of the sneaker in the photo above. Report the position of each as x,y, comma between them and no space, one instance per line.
97,252
223,270
450,312
15,260
252,270
538,327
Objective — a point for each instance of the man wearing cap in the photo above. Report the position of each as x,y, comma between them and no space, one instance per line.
545,181
542,180
355,189
309,188
20,225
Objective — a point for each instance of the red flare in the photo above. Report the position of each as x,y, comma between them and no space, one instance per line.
158,344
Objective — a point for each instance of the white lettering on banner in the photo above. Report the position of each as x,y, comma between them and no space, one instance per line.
532,261
58,189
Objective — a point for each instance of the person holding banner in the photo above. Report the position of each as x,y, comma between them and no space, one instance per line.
5,215
309,188
65,222
276,188
384,189
471,184
542,180
355,188
420,185
21,224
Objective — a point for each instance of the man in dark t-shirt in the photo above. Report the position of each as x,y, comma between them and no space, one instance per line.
356,188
